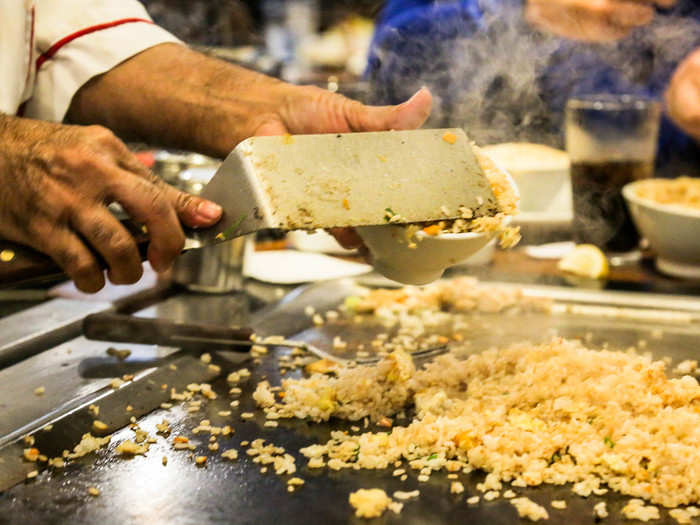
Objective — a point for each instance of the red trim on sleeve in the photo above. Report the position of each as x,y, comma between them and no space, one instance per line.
49,53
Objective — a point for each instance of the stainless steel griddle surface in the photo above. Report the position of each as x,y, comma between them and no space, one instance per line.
142,490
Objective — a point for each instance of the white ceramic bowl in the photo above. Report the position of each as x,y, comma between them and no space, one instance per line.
542,176
433,254
672,231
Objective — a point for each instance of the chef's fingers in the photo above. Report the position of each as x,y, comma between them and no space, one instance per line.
408,115
70,253
106,235
347,238
193,211
149,204
271,128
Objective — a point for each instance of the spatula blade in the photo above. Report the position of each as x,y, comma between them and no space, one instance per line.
347,179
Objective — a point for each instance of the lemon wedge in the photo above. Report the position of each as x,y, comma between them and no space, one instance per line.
585,260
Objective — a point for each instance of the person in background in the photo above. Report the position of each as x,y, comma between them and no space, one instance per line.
78,73
683,95
503,69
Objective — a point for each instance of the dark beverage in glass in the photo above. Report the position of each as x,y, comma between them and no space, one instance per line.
600,213
611,141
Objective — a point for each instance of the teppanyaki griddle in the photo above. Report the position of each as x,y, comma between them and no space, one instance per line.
142,490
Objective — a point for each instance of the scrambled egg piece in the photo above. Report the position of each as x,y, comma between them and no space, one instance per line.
369,503
129,448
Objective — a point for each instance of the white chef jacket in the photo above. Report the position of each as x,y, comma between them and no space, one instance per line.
49,48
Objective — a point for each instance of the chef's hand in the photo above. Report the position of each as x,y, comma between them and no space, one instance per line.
309,109
56,182
683,95
174,96
319,111
592,20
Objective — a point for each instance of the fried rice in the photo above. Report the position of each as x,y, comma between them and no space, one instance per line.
553,413
683,191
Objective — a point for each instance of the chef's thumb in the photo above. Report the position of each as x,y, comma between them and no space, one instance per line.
408,115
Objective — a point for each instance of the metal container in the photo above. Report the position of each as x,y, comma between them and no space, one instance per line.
212,269
169,165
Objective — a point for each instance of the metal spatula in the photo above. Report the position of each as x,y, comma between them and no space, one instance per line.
323,181
348,179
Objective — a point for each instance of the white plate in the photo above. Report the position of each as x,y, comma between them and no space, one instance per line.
293,267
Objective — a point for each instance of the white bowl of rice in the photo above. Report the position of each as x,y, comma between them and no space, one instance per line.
411,255
667,213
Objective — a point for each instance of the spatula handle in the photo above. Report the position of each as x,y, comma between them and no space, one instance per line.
21,265
129,329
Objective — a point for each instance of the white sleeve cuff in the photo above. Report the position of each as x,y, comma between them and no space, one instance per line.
86,56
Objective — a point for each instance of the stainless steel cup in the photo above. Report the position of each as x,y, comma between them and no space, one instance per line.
212,269
611,140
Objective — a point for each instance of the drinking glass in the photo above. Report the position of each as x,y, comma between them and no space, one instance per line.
611,141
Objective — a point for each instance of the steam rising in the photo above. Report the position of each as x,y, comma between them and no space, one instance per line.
501,80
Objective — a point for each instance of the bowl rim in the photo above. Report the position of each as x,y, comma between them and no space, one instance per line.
630,194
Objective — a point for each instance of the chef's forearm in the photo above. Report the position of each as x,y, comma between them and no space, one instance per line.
172,96
683,95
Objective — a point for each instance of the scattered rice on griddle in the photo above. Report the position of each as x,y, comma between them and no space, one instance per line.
529,509
552,413
528,415
88,444
461,294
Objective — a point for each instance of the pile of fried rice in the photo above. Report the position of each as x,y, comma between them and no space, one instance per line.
683,191
552,413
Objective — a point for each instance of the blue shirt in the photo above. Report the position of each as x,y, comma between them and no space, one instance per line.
503,80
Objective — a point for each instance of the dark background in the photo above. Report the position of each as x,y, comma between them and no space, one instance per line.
237,22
